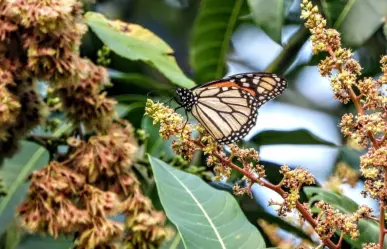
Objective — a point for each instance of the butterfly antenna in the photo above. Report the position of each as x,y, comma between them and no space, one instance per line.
148,94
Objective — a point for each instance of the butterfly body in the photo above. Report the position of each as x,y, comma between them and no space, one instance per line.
228,108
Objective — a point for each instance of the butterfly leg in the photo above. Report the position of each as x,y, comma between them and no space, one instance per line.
169,101
185,123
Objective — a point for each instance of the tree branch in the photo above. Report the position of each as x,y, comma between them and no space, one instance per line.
276,188
356,101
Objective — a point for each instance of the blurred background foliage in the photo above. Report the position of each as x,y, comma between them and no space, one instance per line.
211,39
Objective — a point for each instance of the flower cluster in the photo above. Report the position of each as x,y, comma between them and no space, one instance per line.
369,127
39,40
343,174
292,180
331,220
77,191
95,182
173,125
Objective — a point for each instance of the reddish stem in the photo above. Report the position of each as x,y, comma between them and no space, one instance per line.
360,110
276,188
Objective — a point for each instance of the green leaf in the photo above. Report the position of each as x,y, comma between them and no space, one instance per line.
212,33
369,230
350,156
299,136
359,20
269,15
155,145
11,237
204,216
138,44
36,241
137,80
15,172
332,9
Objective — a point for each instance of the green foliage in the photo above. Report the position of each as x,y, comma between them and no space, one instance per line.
269,15
199,209
359,20
350,156
11,237
143,45
41,242
300,137
219,222
369,230
332,9
211,38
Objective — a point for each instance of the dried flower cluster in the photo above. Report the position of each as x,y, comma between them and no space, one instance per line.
96,181
76,192
39,40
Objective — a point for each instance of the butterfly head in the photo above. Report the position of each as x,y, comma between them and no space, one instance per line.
186,97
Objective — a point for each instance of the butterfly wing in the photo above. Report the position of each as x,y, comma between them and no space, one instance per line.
228,113
263,86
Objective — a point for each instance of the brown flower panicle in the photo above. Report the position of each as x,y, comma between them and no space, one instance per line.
77,191
95,182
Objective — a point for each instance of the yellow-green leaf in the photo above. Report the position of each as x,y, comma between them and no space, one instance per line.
134,42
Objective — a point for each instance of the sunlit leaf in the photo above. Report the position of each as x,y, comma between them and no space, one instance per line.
200,211
369,230
269,15
359,20
15,172
211,38
137,43
299,136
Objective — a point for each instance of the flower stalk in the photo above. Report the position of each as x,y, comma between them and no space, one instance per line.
173,125
369,127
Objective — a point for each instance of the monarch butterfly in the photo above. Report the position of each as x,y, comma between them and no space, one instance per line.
228,108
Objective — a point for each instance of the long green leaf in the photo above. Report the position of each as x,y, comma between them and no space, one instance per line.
299,136
213,28
204,216
359,20
15,172
269,15
139,44
369,230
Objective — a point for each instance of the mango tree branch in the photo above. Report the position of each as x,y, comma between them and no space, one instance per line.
276,188
375,143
